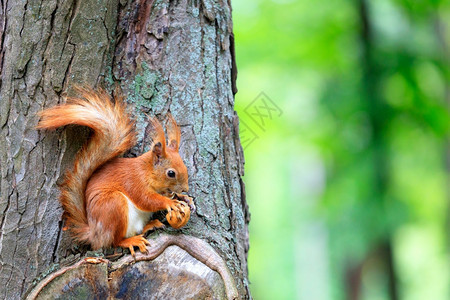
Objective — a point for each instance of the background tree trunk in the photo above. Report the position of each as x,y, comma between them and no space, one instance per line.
166,55
377,111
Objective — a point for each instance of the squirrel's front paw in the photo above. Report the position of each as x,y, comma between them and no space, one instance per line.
187,199
178,214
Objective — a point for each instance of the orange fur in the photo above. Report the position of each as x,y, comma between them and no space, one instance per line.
173,134
98,191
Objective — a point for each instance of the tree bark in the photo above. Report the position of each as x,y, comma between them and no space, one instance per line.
166,56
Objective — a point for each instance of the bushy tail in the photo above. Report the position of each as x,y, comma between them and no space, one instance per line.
113,134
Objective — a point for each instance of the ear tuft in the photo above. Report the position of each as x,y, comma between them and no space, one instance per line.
173,133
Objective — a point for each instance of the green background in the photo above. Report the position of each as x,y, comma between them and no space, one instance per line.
347,151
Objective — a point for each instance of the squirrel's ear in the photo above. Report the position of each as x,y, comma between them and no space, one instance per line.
157,150
159,141
173,133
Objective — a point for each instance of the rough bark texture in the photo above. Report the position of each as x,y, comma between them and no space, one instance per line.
166,56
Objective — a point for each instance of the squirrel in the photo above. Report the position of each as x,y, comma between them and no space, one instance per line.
109,200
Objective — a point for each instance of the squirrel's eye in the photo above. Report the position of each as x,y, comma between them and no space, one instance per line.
171,173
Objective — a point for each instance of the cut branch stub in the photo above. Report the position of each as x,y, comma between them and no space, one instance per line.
175,267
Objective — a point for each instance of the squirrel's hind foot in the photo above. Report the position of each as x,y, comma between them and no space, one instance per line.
135,241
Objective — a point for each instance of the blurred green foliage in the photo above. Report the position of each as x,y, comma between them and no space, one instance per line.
359,159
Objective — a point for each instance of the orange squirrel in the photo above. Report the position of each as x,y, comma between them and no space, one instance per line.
108,200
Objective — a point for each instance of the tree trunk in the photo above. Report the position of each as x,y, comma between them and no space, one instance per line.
166,56
376,111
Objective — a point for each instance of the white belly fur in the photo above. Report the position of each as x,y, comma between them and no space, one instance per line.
137,219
